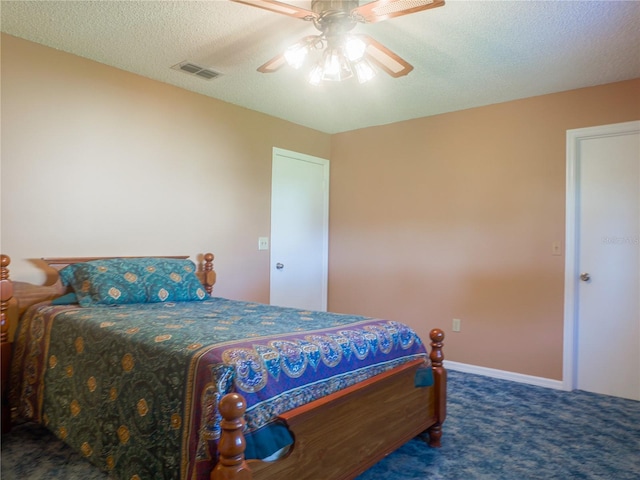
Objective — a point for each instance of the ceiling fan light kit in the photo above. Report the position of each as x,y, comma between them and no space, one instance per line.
335,54
341,58
336,65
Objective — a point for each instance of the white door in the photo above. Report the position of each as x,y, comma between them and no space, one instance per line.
604,277
299,230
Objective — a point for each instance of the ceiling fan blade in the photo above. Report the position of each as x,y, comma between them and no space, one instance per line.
276,63
383,9
385,58
280,7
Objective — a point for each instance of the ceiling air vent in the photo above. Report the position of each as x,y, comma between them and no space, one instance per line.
197,70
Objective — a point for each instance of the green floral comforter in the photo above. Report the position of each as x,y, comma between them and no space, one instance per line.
135,388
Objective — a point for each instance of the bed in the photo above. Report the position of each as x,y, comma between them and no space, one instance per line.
157,378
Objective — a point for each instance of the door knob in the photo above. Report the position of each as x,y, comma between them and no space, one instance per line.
279,266
585,277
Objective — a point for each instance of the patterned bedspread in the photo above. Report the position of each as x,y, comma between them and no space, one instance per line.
135,388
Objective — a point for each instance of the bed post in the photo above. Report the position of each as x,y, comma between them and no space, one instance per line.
440,386
209,276
231,463
6,293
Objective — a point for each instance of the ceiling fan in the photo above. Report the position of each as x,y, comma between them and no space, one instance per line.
335,53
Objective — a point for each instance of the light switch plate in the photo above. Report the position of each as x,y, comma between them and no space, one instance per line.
457,324
263,243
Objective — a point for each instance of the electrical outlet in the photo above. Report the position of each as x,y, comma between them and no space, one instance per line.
263,243
456,324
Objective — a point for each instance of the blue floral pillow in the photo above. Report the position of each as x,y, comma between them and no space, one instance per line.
133,280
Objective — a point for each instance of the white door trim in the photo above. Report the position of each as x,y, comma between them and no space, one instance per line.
571,274
325,217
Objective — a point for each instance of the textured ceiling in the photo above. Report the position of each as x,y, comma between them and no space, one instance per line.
465,54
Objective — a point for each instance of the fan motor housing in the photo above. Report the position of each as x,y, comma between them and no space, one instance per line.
321,6
334,16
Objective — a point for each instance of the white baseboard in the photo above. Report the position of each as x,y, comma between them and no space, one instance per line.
504,375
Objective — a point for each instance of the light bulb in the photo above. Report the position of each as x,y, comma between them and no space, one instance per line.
296,54
335,66
364,71
332,63
354,48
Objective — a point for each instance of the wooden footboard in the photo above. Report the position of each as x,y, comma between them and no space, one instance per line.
339,436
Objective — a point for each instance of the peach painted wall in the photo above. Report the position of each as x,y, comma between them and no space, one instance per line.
450,216
454,216
98,161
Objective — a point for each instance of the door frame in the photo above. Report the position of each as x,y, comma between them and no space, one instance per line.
325,217
571,273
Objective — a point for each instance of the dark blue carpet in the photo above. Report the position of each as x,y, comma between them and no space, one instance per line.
495,430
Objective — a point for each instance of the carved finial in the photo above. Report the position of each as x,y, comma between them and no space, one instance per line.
5,260
6,292
232,407
231,464
437,357
209,273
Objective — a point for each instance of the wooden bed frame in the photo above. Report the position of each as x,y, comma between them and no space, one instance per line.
335,438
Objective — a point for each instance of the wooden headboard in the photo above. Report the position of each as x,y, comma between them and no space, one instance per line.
60,262
206,274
